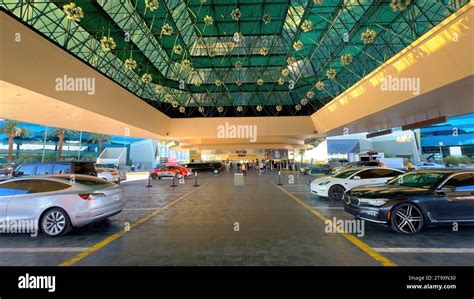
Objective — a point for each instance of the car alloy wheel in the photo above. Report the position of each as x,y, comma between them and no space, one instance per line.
55,222
179,176
336,192
154,176
407,219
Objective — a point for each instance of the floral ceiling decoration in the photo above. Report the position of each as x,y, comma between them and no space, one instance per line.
284,57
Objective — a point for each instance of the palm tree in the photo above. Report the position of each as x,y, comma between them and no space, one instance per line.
61,133
100,139
12,130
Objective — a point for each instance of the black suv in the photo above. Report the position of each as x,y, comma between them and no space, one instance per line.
215,167
59,167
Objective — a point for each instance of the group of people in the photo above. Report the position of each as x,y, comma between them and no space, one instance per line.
260,166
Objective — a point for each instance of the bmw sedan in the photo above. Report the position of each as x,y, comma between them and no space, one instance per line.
335,186
55,204
416,199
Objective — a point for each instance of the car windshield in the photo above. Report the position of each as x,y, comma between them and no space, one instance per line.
345,174
424,180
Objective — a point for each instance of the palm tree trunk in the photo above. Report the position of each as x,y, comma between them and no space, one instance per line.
60,146
10,150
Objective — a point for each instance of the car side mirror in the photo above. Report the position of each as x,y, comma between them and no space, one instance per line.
356,177
446,189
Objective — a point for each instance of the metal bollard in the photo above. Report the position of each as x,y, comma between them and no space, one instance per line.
195,179
149,181
174,184
279,178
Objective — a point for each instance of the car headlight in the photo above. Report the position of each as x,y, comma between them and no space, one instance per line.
377,202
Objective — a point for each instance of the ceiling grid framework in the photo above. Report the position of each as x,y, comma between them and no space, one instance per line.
214,58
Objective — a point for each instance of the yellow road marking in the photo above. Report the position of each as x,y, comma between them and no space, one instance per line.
115,236
356,241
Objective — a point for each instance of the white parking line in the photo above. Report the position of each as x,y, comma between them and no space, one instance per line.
424,250
44,249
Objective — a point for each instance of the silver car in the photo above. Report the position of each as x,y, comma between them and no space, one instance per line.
57,203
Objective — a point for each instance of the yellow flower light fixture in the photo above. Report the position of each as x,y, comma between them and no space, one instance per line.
146,78
166,29
238,65
346,59
319,85
236,14
368,36
107,43
130,64
307,26
298,45
186,63
158,88
331,74
208,20
266,19
73,12
177,49
151,4
399,5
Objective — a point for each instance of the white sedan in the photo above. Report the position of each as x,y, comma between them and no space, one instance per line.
109,174
335,186
55,204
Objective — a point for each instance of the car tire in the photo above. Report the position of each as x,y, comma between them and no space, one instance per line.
55,223
336,192
154,176
407,219
179,176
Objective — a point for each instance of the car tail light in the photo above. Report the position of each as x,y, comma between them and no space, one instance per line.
91,196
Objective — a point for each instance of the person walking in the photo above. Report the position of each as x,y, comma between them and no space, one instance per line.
244,168
260,167
409,166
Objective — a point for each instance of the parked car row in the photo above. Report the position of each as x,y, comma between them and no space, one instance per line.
406,202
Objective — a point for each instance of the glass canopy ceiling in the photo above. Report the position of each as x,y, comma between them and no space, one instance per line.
210,58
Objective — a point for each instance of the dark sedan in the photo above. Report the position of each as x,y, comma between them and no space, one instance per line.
416,199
